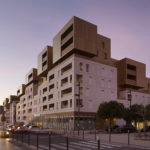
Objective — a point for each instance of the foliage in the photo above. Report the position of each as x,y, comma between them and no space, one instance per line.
110,110
137,112
147,112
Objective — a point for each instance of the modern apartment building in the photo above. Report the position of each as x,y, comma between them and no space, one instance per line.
75,76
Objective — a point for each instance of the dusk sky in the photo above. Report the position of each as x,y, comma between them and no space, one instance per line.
27,26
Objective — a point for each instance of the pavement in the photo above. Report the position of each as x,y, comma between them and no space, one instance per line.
6,144
85,141
59,142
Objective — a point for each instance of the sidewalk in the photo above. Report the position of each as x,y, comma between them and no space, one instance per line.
117,138
6,144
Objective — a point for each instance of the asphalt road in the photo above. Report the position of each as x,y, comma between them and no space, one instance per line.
59,142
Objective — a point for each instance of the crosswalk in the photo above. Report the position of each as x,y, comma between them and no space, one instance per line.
81,145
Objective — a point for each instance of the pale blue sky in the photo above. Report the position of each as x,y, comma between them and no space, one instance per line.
27,26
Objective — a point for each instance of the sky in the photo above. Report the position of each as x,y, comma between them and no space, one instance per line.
27,26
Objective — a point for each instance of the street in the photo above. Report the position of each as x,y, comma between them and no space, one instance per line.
59,142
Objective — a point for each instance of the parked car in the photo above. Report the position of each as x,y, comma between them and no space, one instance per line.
112,128
125,129
33,128
4,134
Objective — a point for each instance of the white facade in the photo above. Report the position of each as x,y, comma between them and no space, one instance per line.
136,98
57,92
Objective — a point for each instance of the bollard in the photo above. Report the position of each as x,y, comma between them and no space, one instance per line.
83,133
17,138
109,135
50,141
95,135
128,137
28,138
22,137
67,143
98,142
37,139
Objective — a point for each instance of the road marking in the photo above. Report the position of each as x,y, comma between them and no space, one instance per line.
94,144
81,144
45,147
57,146
106,144
76,146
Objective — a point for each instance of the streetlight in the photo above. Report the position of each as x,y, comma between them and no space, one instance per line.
78,102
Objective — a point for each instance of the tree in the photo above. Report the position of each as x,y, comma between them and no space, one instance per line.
110,110
137,112
147,112
127,115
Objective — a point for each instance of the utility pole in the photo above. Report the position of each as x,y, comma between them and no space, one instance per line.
78,102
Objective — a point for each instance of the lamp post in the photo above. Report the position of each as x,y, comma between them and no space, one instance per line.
78,102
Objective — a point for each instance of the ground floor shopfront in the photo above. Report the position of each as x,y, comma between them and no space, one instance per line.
67,121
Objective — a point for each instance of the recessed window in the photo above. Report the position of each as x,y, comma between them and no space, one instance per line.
103,45
81,66
51,77
67,32
131,77
87,67
79,102
131,67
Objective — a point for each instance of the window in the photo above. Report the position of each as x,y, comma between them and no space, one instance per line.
79,102
87,92
109,83
67,32
81,66
44,90
64,104
66,92
79,78
50,97
51,77
131,67
51,106
87,67
90,80
105,55
51,87
64,81
103,45
148,85
131,77
102,93
70,78
102,72
65,45
66,68
57,85
44,99
44,55
70,103
102,83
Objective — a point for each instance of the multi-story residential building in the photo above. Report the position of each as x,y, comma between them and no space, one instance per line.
6,111
79,55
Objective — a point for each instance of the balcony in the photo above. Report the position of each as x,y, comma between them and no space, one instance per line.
50,97
66,68
64,81
66,92
64,104
51,106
